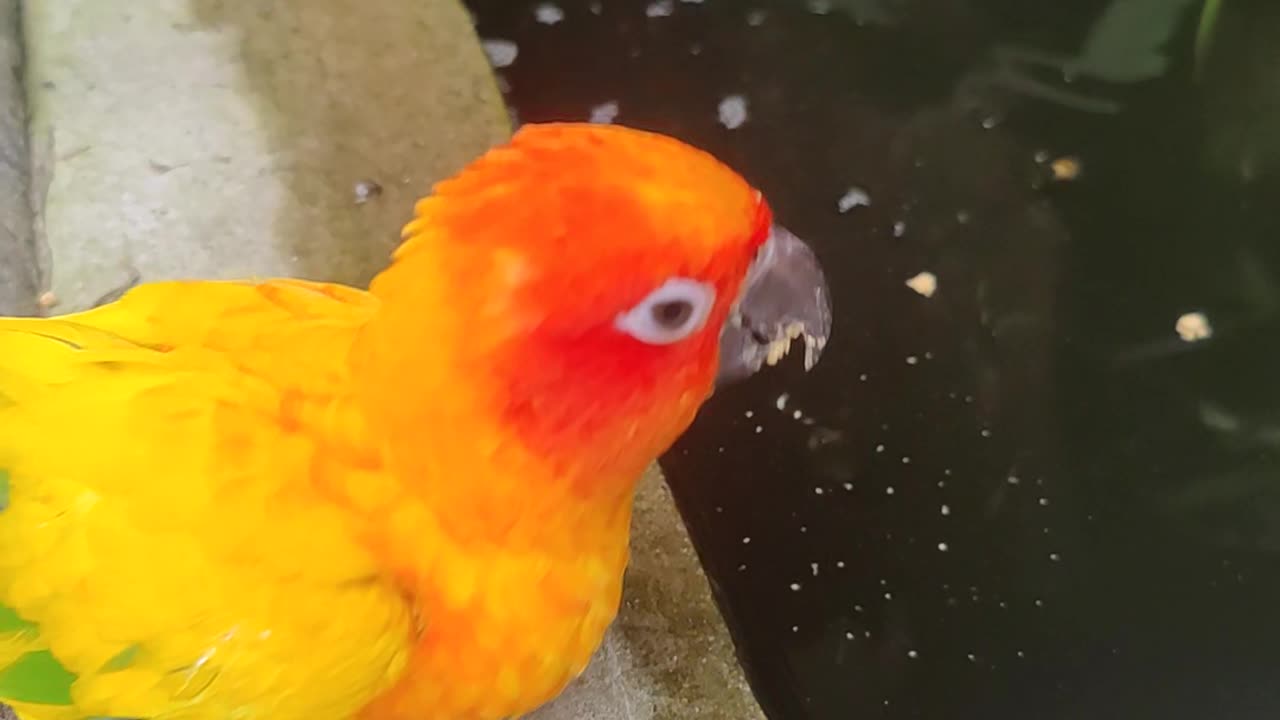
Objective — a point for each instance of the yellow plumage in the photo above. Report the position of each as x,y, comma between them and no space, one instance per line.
139,536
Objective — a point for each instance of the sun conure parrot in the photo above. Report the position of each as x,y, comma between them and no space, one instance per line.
290,500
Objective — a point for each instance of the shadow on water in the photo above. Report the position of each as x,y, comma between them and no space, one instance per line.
1025,495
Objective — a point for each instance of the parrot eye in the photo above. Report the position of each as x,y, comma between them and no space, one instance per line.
673,312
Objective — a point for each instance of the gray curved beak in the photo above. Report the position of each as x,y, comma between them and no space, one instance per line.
784,299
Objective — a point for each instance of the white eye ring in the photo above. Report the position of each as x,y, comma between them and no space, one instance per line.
671,313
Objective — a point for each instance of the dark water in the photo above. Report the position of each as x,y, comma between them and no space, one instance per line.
1025,496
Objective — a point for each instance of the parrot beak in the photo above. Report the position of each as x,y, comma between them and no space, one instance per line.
784,298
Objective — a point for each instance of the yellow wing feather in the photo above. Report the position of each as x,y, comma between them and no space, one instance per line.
163,505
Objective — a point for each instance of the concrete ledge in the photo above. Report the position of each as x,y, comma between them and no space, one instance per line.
19,287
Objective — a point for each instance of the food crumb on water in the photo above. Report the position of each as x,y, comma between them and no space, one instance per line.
852,198
925,283
733,111
1193,326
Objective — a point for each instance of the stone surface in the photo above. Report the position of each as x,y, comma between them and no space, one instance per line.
18,275
227,139
198,138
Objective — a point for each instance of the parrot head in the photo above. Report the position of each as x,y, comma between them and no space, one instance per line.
580,292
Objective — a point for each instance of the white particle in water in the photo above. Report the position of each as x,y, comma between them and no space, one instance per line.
1055,557
795,587
733,111
899,229
1013,480
852,198
925,283
814,567
750,413
962,217
880,448
795,628
746,540
796,415
818,491
913,654
839,563
888,490
596,8
756,18
781,402
692,2
1021,654
863,377
848,486
1193,326
605,113
971,657
943,547
857,608
906,459
501,52
1044,502
946,509
548,13
984,432
819,7
759,429
888,596
912,359
848,636
1039,603
660,8
989,122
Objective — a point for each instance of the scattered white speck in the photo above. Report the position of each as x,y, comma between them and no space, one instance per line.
925,283
695,49
804,528
888,490
912,360
749,413
781,402
972,657
756,18
660,8
848,486
1021,654
839,563
605,113
501,52
1193,326
946,509
1044,502
796,415
548,13
943,547
899,229
742,567
913,654
819,7
888,596
962,217
1014,480
746,540
989,122
795,628
733,111
814,567
984,432
596,8
692,2
1055,557
906,459
795,587
848,636
818,491
880,448
852,198
759,429
863,377
857,608
1039,603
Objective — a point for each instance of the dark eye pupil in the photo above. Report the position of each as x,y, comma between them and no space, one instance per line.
672,315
